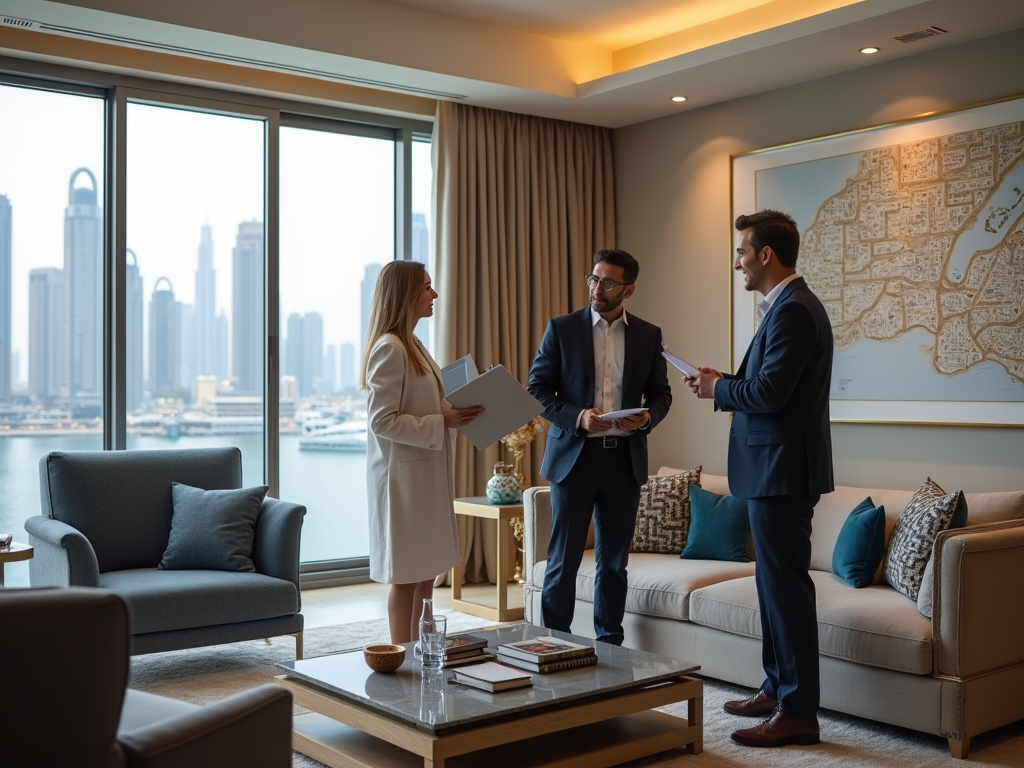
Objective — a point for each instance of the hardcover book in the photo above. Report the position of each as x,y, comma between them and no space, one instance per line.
492,677
548,667
542,650
473,658
460,643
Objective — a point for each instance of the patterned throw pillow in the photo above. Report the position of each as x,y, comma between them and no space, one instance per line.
930,511
663,519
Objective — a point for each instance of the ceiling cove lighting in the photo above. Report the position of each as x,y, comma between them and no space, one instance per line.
870,49
678,98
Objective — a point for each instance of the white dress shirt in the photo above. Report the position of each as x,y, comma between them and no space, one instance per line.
609,360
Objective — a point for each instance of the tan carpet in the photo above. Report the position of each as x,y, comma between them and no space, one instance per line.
206,674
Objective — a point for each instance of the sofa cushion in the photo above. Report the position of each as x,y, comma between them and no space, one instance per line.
170,600
876,625
659,585
212,530
719,527
663,517
861,544
930,512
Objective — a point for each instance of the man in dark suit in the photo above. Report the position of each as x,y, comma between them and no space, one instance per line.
594,361
780,461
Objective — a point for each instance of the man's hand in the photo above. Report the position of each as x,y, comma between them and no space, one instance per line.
591,423
703,384
637,420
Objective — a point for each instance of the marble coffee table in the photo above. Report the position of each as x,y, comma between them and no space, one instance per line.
593,716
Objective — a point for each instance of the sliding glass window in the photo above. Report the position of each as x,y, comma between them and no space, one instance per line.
195,284
51,290
337,212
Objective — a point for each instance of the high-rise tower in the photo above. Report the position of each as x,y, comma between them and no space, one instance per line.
5,297
164,339
247,309
133,332
205,359
370,273
45,332
83,291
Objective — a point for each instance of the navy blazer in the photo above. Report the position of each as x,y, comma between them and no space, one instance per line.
780,443
562,379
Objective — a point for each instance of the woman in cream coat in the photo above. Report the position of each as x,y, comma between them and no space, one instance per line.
409,469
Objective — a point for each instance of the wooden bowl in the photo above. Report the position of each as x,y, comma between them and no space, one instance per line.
384,658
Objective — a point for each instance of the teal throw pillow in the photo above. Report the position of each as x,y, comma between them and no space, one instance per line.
861,545
719,527
212,530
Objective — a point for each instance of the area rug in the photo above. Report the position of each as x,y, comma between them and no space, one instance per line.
203,675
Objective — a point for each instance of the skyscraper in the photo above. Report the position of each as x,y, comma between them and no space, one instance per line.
133,332
348,365
164,339
221,351
83,291
206,307
304,350
291,347
366,301
45,332
187,374
5,298
247,309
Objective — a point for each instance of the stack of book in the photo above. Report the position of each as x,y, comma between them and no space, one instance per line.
491,677
465,649
546,654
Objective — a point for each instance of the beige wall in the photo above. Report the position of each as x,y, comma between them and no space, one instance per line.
672,190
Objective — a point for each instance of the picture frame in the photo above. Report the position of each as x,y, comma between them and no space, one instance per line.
910,247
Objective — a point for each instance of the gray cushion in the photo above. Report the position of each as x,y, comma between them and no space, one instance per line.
171,600
875,625
212,529
121,500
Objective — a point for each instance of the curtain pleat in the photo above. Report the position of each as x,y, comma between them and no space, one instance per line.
522,204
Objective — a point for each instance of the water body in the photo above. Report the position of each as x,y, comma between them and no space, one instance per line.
331,485
998,217
802,188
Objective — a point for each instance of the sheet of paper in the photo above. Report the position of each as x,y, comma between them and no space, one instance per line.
507,405
458,374
621,414
682,365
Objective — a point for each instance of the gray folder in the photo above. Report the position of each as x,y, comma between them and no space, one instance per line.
507,405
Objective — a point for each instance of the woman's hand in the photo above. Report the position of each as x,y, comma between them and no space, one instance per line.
455,418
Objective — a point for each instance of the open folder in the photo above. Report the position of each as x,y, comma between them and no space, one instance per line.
507,405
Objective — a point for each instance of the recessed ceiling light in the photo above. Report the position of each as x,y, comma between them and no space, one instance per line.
870,49
678,98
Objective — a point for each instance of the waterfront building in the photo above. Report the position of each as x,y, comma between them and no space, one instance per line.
45,332
164,340
205,361
82,370
134,301
366,287
247,309
348,365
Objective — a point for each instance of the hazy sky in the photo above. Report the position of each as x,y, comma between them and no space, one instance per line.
186,169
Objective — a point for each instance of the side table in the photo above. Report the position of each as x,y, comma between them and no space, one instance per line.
18,551
480,506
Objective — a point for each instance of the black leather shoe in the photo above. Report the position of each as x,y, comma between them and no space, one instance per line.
779,730
758,705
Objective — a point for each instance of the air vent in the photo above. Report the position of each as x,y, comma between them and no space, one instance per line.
10,21
920,34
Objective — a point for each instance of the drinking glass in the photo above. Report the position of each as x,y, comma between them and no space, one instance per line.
432,638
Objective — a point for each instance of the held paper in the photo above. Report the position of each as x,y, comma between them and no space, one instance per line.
507,405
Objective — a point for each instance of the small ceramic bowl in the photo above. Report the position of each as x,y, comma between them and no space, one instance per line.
384,658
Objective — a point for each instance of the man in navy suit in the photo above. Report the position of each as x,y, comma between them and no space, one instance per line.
780,461
594,361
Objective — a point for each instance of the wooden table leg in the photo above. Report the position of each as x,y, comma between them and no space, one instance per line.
695,716
457,581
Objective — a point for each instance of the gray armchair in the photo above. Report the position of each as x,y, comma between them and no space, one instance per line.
106,522
65,683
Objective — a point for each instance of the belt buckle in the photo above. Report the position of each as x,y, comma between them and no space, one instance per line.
609,442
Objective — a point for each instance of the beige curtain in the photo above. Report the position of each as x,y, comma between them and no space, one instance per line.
522,204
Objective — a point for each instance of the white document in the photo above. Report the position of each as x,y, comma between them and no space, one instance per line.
507,405
682,365
621,414
458,374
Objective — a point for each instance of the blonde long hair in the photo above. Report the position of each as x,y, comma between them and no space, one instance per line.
398,288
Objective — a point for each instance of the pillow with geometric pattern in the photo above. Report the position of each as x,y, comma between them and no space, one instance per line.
663,518
930,511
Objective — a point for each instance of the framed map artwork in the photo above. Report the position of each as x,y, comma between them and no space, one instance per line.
912,235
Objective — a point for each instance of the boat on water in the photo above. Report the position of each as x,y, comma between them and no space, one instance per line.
349,436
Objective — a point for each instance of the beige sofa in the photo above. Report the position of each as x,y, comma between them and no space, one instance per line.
956,675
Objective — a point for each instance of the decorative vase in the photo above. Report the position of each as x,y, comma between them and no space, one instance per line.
503,487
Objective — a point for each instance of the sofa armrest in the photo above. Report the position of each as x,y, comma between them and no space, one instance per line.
252,728
275,547
977,623
537,529
63,556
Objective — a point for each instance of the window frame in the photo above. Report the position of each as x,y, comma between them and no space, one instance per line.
117,90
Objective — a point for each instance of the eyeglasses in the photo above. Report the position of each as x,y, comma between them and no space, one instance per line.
608,284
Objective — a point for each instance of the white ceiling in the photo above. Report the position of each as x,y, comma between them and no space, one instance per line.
605,62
